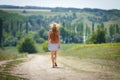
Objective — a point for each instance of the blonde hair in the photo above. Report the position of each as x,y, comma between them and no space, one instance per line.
54,27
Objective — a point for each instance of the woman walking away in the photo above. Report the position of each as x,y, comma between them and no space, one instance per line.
54,42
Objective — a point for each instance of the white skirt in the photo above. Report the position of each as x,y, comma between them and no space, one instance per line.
53,47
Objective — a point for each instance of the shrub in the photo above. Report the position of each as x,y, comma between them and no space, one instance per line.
97,37
27,45
45,46
10,41
40,40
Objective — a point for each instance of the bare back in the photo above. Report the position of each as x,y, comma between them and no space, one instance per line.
54,37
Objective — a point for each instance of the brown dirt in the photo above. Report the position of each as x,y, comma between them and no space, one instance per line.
38,67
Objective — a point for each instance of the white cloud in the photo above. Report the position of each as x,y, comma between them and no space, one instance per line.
103,4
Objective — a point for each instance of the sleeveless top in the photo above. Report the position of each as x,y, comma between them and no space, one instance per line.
54,37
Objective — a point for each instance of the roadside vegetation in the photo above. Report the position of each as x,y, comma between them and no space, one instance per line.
8,53
104,55
101,51
6,68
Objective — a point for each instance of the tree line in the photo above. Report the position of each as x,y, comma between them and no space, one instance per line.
13,27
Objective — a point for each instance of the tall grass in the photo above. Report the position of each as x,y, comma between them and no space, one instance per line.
104,55
10,53
100,51
40,48
6,54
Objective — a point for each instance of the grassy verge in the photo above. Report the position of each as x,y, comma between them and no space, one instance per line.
109,51
10,53
105,55
6,54
40,49
5,71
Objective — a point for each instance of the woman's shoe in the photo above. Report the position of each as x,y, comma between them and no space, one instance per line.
55,64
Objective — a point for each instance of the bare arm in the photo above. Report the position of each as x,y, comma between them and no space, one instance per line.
59,36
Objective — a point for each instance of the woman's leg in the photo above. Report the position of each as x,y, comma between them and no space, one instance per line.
52,58
55,55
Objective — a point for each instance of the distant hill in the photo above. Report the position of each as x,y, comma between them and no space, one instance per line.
75,23
71,14
95,11
56,8
23,7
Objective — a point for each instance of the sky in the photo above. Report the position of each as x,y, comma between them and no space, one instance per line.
102,4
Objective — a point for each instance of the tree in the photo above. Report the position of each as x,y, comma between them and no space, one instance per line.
117,29
98,36
114,31
87,30
80,28
102,26
63,34
111,30
1,35
27,27
93,27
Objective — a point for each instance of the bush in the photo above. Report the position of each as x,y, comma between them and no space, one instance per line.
10,41
40,40
27,45
97,37
45,46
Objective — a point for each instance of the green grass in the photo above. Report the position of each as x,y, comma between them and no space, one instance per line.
10,53
40,49
6,54
6,68
8,76
101,51
105,55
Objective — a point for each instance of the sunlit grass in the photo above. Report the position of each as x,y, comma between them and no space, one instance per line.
40,48
101,51
105,55
10,53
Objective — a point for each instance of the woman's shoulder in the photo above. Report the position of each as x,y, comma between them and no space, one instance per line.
50,31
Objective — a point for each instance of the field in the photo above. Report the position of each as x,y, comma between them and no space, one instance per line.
101,51
10,53
102,60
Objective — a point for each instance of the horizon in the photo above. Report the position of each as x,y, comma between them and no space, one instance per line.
93,4
58,7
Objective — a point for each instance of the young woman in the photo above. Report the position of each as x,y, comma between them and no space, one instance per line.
54,42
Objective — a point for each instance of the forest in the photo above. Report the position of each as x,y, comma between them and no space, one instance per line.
89,49
77,25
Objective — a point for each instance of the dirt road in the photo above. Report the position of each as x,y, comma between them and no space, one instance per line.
38,67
